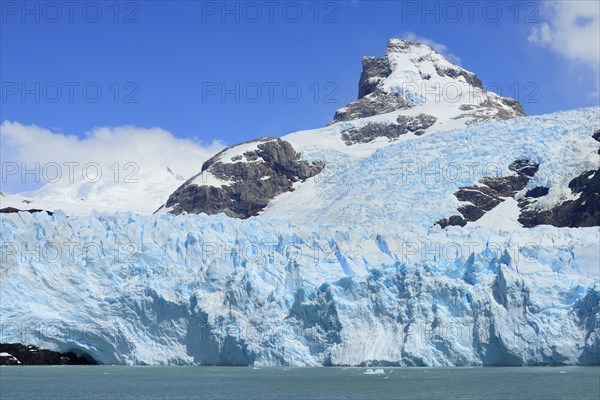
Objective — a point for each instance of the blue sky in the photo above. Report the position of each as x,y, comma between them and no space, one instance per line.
155,66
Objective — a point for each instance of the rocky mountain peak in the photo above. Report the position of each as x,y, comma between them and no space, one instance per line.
414,74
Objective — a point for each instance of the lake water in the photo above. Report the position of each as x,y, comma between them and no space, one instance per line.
124,383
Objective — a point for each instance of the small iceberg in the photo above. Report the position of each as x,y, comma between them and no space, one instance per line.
378,371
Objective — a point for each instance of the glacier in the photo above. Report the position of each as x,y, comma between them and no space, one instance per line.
348,269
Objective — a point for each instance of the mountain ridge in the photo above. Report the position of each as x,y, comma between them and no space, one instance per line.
410,77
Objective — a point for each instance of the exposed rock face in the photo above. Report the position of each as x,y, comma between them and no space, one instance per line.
373,130
491,192
469,77
375,70
536,192
241,185
375,103
491,109
515,105
584,211
418,124
7,210
31,355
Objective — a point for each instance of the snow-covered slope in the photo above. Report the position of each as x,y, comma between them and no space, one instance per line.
350,268
144,193
410,92
413,180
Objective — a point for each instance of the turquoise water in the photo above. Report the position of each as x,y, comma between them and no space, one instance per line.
124,383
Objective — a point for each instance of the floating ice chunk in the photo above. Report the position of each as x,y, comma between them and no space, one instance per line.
370,371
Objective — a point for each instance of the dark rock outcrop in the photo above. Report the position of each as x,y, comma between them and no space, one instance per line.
248,186
536,192
375,103
491,192
375,70
32,355
507,186
417,124
373,130
596,136
469,77
581,212
8,210
515,105
491,109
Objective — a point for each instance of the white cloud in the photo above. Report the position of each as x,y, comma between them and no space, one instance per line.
148,151
440,48
571,29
